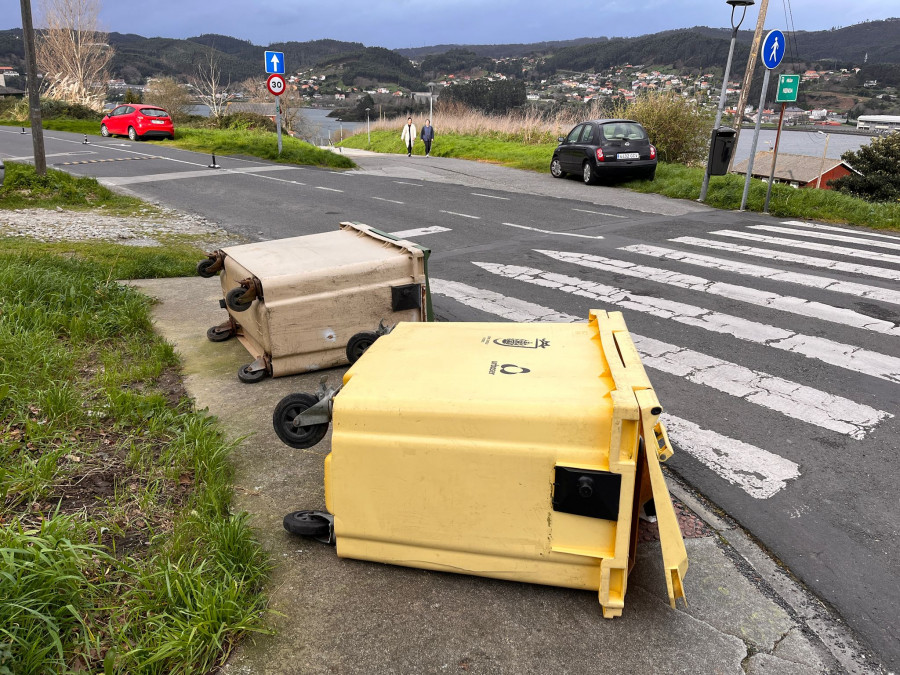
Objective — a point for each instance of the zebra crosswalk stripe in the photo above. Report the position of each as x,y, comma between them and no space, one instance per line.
844,230
812,234
811,246
784,303
828,351
783,256
762,272
789,398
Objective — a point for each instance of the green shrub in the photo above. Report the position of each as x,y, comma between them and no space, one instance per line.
678,129
244,121
877,171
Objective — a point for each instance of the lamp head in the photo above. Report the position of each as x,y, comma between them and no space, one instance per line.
741,3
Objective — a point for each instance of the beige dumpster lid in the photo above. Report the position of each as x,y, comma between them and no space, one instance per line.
354,243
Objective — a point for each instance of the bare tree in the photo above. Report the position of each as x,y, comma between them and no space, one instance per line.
207,84
73,52
167,93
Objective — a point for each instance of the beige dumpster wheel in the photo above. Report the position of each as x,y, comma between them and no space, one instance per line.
283,421
219,334
248,376
358,345
307,524
233,302
203,268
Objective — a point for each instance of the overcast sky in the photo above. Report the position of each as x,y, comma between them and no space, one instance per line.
404,23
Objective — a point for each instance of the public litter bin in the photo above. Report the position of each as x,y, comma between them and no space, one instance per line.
720,148
504,450
317,301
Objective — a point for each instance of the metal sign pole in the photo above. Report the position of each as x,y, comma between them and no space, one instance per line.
774,159
278,120
762,104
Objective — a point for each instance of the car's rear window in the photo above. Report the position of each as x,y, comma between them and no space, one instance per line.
154,112
624,131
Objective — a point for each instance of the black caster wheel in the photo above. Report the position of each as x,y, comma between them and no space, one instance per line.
203,268
219,334
250,376
358,345
233,300
283,421
308,524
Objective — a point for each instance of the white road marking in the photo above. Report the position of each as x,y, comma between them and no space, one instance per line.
464,215
811,246
784,396
762,272
828,351
757,472
753,296
319,187
600,213
832,228
435,229
177,175
392,201
894,245
771,254
30,158
561,234
479,194
403,182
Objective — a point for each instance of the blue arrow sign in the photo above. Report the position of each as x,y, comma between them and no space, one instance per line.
275,63
773,48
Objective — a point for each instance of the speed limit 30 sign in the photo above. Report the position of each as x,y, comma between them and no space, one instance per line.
275,85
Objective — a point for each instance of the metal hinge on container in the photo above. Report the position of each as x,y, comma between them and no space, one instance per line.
321,412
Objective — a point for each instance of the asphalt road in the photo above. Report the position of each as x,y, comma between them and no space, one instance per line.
773,345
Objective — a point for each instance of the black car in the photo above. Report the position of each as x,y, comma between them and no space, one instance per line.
605,149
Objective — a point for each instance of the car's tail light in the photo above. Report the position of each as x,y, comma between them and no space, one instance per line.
652,151
599,154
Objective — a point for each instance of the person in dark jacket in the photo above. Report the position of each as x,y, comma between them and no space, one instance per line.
427,136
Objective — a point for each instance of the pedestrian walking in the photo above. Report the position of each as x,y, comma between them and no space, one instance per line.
427,137
409,136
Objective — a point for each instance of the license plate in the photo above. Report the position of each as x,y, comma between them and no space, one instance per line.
161,122
628,155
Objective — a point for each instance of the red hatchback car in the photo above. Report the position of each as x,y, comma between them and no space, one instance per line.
138,122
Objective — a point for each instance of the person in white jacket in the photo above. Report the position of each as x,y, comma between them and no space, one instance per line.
409,136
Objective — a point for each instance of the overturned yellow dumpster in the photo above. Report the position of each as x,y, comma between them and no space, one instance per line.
515,451
317,301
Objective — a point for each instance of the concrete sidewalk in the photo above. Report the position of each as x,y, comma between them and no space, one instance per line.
746,615
487,176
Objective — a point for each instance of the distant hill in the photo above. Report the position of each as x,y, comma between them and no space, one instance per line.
700,48
504,51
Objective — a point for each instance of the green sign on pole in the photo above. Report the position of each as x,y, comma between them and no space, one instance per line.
787,88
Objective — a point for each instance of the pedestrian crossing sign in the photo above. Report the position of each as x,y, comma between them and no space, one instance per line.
787,88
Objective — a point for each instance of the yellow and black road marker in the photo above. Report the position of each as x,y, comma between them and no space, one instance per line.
113,159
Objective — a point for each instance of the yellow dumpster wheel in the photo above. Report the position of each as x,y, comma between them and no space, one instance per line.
283,421
307,523
358,345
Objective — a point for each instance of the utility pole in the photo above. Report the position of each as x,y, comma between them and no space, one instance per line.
748,77
34,96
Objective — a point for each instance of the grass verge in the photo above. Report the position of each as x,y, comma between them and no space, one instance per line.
672,180
118,549
24,189
223,142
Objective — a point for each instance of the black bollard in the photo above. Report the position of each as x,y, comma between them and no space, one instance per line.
85,141
214,165
23,131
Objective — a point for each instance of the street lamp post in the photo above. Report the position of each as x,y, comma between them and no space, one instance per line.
368,130
734,31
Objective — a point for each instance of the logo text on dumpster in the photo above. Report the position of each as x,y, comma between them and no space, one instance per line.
537,343
507,369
